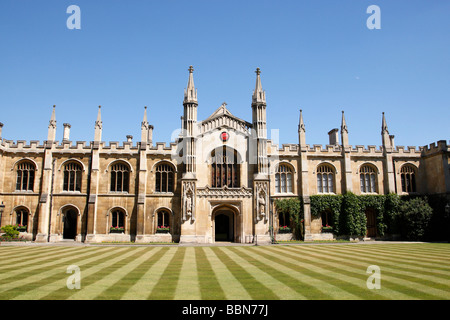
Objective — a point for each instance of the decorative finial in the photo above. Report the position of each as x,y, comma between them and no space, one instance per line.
258,71
191,69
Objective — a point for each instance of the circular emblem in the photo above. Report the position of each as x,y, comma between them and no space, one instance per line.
224,136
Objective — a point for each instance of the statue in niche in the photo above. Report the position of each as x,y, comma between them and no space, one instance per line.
262,204
189,204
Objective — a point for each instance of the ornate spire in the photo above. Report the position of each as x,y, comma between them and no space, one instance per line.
259,95
301,131
144,122
190,93
98,125
301,124
52,126
344,131
386,139
146,129
384,128
343,124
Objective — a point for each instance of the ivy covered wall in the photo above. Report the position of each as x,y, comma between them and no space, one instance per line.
402,215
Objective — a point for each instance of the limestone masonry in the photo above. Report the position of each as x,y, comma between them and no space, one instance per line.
216,182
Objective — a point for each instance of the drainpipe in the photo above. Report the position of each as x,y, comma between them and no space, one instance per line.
51,201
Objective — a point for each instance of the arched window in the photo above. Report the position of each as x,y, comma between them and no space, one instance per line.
163,219
284,219
367,178
408,178
327,220
22,219
283,179
117,220
120,177
164,178
72,177
225,169
25,176
325,179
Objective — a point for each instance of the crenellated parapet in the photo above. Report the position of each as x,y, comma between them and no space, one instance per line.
435,147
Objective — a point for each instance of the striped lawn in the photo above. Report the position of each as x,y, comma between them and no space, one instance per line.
281,272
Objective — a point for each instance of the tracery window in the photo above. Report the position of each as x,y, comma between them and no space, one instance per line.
367,178
117,219
283,179
72,177
25,176
225,169
325,179
22,218
120,177
163,219
408,178
164,178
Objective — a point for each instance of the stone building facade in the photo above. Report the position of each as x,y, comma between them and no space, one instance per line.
216,182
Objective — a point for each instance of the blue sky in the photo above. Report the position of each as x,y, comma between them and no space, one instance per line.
315,55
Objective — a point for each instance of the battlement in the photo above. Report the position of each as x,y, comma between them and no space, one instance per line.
80,146
440,146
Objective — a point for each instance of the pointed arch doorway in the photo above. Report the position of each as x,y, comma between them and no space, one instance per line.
70,223
224,225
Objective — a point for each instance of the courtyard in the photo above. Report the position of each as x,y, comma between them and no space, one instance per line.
338,271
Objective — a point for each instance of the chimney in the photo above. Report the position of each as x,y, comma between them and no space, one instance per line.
334,137
391,137
66,134
129,138
150,135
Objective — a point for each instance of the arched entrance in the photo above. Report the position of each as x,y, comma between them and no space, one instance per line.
224,226
70,221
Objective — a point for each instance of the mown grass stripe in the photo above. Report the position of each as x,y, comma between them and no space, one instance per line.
117,290
256,289
45,276
20,267
442,251
409,265
167,284
278,288
413,252
23,260
423,259
141,289
436,271
188,283
18,274
104,278
17,253
297,279
95,271
210,288
231,287
349,270
391,282
55,286
298,290
324,279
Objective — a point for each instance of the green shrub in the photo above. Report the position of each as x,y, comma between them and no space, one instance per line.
414,218
10,231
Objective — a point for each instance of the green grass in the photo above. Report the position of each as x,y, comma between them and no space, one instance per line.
408,271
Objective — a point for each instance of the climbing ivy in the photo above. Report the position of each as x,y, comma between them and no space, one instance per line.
293,206
320,203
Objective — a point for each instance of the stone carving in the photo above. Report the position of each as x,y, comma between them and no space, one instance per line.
262,200
224,192
188,202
